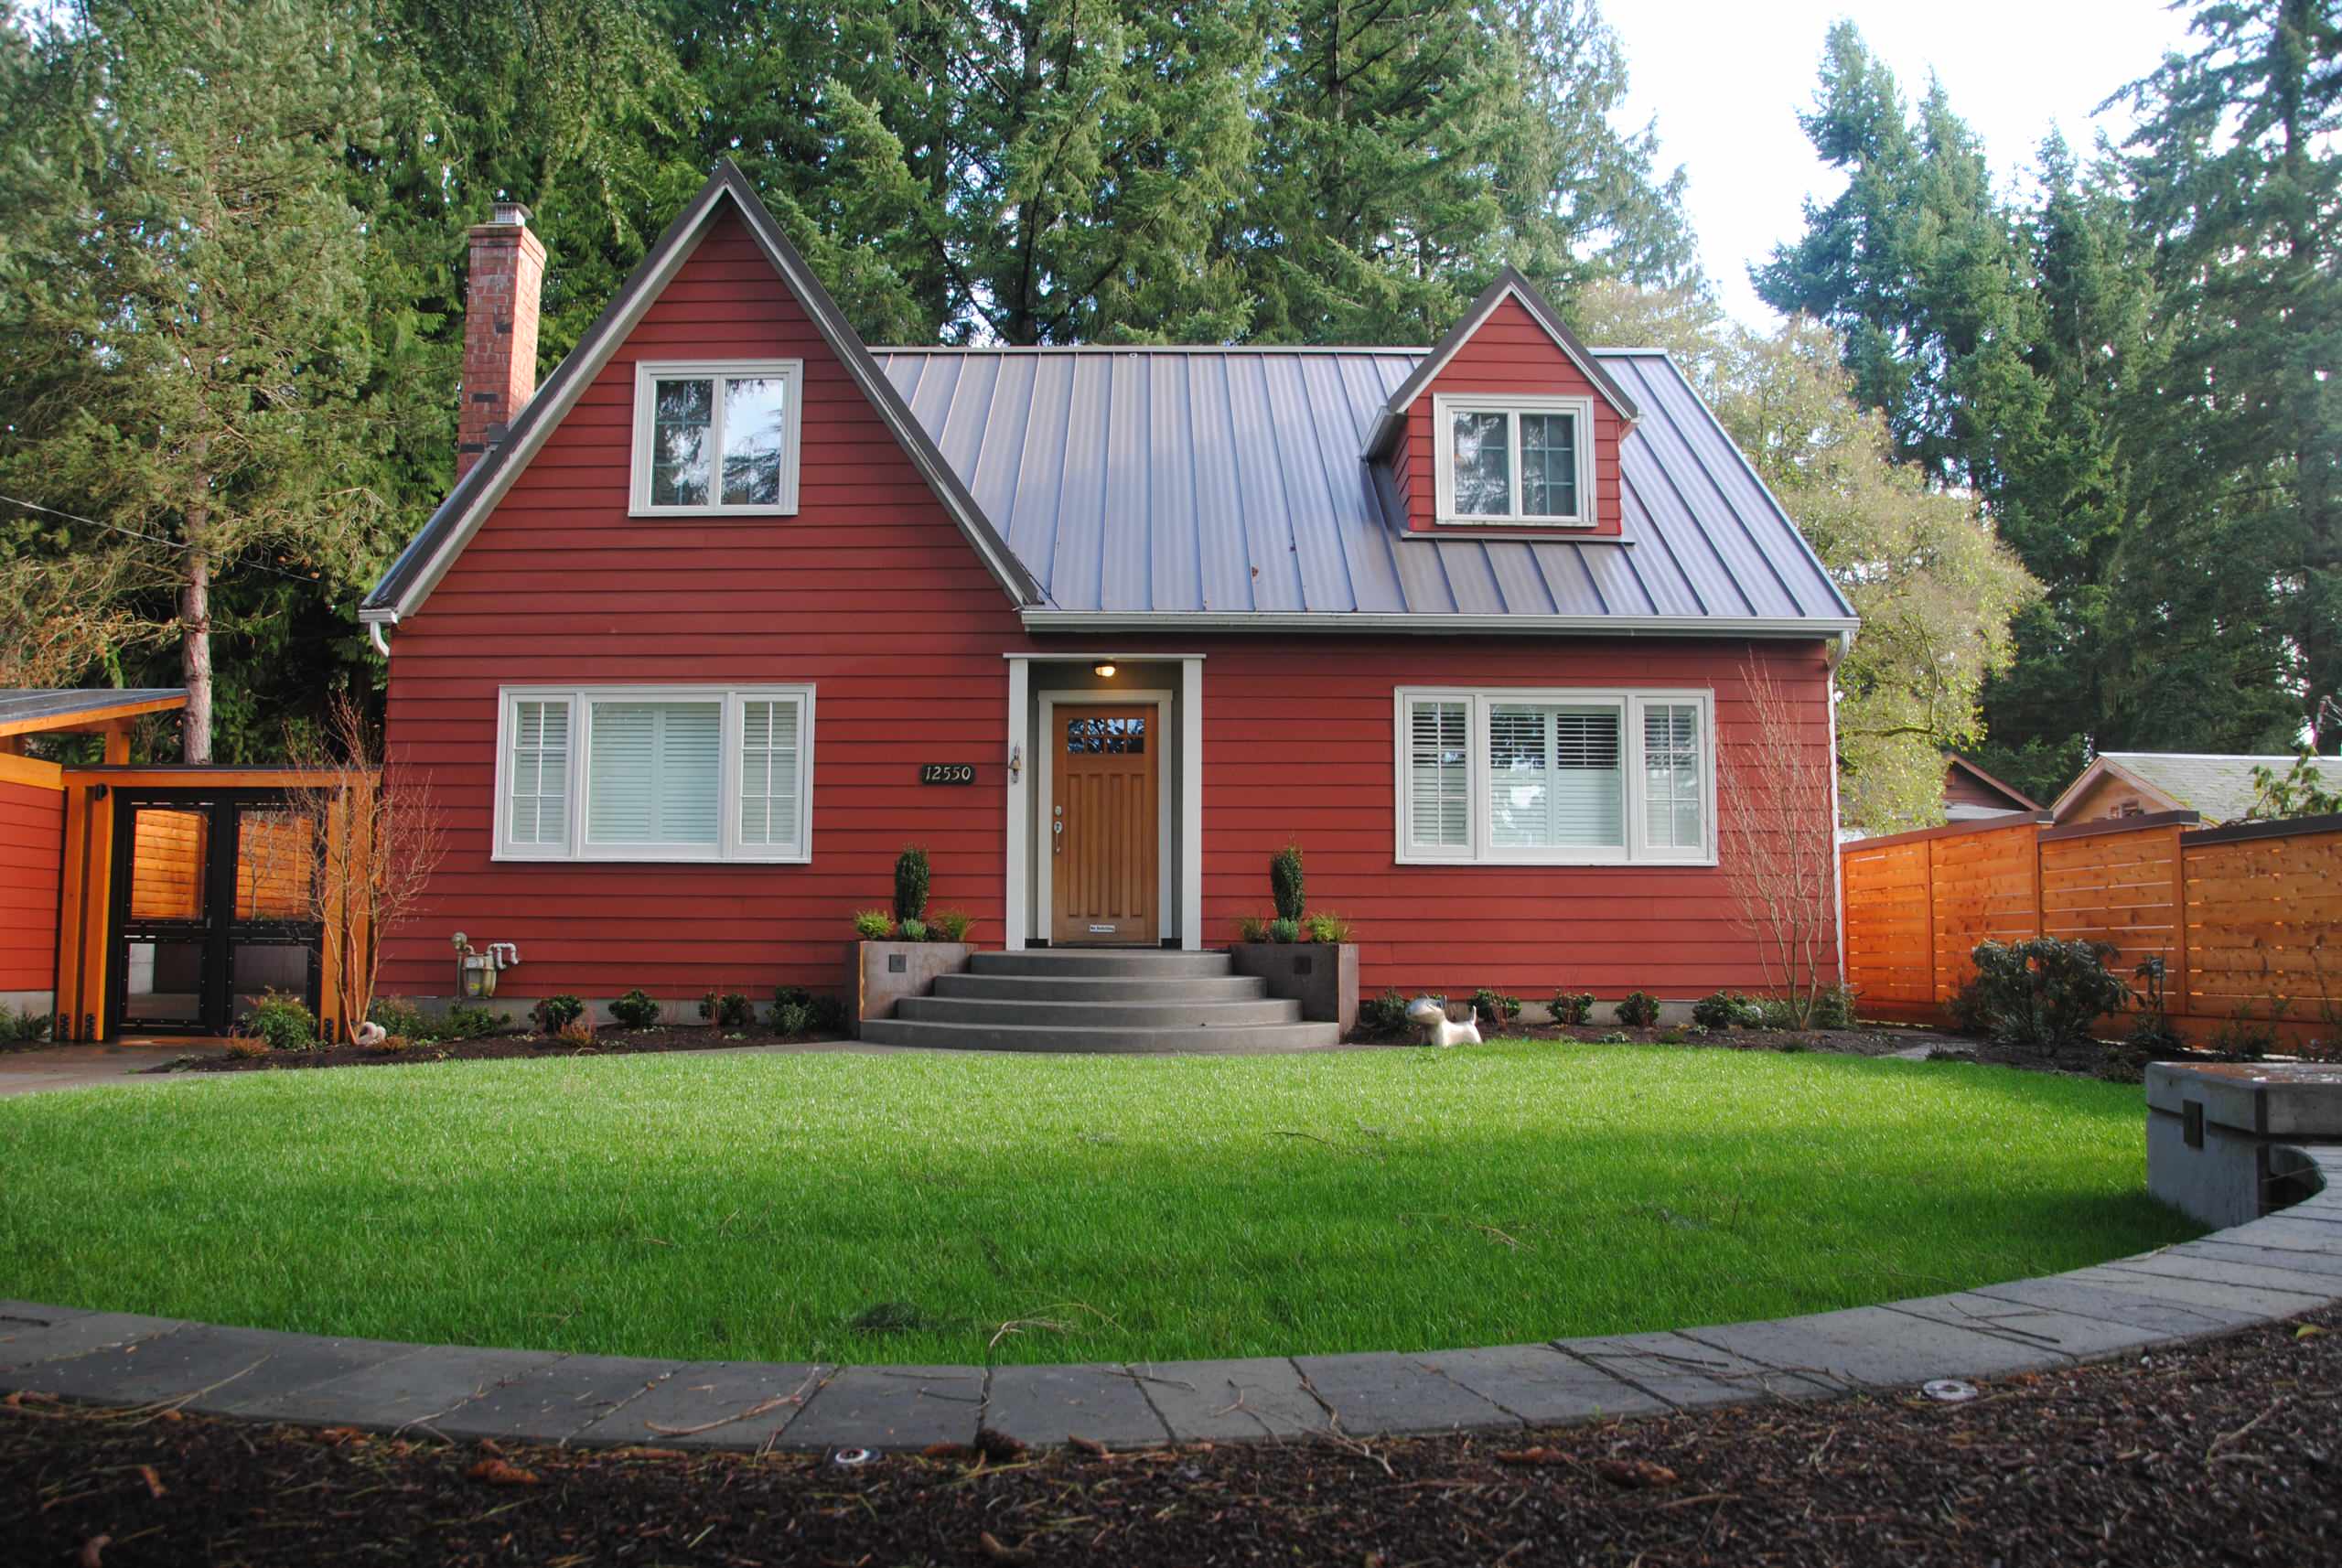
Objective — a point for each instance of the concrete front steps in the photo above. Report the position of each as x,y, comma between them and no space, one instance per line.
1110,1001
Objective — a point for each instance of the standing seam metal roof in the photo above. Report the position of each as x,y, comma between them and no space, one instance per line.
1229,481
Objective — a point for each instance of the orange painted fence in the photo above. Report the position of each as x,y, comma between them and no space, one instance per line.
2247,918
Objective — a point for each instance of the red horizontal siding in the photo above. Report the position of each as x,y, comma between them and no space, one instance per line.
32,852
1509,353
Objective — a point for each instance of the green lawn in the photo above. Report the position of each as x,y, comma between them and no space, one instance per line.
1100,1208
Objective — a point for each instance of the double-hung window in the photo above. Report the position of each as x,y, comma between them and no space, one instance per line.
717,439
655,773
1506,461
1498,775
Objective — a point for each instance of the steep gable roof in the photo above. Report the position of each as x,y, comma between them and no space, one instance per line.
1508,284
428,555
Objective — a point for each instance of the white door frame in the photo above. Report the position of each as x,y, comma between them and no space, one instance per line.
1026,757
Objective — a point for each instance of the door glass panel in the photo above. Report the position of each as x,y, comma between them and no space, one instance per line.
165,981
166,854
257,969
1120,736
275,863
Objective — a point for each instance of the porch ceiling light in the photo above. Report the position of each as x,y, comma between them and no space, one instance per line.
1103,671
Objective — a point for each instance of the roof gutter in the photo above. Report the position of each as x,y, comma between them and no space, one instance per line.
1839,630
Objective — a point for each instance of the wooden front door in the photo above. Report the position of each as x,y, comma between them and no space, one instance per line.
1103,825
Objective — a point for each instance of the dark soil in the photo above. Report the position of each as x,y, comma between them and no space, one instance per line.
2225,1452
492,1047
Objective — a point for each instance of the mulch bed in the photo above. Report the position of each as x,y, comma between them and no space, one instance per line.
490,1048
2225,1452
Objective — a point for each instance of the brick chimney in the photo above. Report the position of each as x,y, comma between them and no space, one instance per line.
508,269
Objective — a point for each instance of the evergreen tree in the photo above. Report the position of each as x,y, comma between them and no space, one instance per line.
183,308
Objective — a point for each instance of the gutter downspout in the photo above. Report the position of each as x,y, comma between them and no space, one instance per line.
375,621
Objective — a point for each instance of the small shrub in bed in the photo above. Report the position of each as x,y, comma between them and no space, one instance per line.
1834,1008
577,1030
1638,1010
554,1013
247,1047
1285,883
467,1021
24,1028
829,1016
913,930
726,1009
1727,1010
1327,928
285,1023
1495,1006
2043,992
950,924
399,1016
792,1019
1383,1017
873,925
1283,930
1614,1038
635,1010
1572,1007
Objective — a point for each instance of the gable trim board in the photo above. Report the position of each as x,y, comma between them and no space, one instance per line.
426,560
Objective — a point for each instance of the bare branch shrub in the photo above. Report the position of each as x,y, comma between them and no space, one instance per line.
1779,844
376,836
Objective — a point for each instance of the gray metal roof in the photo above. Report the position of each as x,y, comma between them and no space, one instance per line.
1229,481
61,705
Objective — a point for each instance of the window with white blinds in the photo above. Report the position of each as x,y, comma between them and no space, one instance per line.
1500,776
654,773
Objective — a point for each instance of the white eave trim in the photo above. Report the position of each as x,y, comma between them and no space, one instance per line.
1436,625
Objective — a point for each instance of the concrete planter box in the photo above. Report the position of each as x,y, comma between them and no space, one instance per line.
2222,1136
1321,976
882,974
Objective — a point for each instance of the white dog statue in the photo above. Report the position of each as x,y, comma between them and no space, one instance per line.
1430,1017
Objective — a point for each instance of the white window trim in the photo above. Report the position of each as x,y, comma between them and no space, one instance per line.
581,701
1630,702
647,373
1445,406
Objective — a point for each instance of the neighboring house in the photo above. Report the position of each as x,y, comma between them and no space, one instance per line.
736,607
1970,792
2218,788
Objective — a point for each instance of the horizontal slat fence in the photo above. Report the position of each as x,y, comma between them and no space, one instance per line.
2247,920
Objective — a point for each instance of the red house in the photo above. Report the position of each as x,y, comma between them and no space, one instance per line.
735,607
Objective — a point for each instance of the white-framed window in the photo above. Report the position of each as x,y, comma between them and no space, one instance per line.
676,773
717,438
1502,776
1512,460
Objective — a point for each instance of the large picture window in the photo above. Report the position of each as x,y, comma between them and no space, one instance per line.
1514,460
1498,775
655,773
717,439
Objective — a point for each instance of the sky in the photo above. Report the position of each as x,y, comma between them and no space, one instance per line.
1727,79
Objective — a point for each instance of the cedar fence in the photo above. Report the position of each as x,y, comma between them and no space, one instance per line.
2247,918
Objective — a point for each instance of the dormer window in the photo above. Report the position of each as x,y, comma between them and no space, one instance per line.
716,439
1508,461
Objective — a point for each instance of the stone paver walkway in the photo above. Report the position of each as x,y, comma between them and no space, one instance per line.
2273,1268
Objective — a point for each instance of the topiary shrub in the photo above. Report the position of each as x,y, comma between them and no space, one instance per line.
726,1009
1495,1006
554,1013
1326,927
910,886
950,924
283,1022
1572,1007
1638,1010
1727,1010
873,925
2043,992
635,1010
1283,930
1285,882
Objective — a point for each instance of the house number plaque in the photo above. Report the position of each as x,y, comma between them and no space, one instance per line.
947,773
